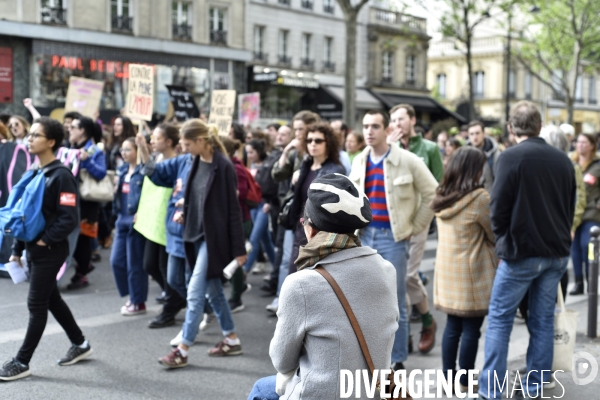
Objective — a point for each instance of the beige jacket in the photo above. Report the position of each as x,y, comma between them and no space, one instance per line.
409,188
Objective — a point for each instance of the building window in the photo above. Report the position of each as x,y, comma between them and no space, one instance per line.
592,90
283,47
441,85
122,15
54,12
479,84
528,86
306,61
557,85
511,84
328,6
579,89
181,16
284,2
388,66
411,69
307,4
328,65
259,37
218,25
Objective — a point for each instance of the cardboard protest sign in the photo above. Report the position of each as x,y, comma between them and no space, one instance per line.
249,108
140,101
183,103
84,96
222,106
152,212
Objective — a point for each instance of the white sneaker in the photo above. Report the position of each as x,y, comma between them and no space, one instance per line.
259,268
274,306
207,321
177,340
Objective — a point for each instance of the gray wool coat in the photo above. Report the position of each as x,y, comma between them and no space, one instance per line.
313,334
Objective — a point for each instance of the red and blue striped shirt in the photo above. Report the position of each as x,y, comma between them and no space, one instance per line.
375,191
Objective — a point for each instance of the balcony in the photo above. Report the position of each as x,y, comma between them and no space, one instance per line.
284,2
307,4
284,60
392,19
307,63
592,101
182,32
386,79
122,23
328,8
54,16
329,66
218,37
260,56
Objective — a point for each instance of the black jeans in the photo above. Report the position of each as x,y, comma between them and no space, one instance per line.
156,260
466,331
83,254
45,262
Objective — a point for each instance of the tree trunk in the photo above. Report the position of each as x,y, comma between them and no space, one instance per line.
470,72
350,70
570,104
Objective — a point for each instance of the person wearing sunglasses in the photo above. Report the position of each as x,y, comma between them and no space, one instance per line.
18,127
323,158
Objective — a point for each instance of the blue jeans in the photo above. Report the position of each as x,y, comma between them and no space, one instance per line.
579,249
288,243
396,253
196,299
178,275
260,234
264,389
127,261
541,276
467,332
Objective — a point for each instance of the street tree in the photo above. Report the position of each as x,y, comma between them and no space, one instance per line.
562,43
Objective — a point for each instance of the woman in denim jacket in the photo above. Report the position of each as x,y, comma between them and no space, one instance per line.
127,256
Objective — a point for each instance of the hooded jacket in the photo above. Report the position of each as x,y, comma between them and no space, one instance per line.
465,263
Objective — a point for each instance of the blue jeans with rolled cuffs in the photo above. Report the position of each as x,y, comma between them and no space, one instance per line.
198,290
260,235
396,253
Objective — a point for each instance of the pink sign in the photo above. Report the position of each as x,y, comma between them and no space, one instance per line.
249,108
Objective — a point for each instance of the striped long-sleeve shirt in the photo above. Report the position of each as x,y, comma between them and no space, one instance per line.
375,191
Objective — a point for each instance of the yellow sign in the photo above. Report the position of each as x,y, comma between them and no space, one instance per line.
83,96
222,106
140,92
152,212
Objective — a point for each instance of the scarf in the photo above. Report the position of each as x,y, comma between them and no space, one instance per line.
322,245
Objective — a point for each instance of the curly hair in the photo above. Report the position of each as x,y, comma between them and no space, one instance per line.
331,142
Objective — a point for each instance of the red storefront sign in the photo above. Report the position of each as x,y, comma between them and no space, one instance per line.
120,69
6,75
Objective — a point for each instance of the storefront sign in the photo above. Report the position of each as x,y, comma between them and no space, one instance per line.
266,77
221,110
83,96
140,92
298,82
249,107
120,69
183,103
6,75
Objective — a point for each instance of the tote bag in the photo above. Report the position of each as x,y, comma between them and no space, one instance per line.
99,191
565,331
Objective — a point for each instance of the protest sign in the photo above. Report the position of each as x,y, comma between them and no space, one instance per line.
83,96
249,108
140,92
183,103
222,106
152,212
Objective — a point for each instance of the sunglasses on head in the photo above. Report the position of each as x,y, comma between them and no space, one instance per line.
316,140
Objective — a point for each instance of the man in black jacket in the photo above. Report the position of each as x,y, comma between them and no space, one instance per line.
532,206
47,253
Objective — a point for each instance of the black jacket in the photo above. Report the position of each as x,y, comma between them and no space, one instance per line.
268,186
222,217
60,207
533,201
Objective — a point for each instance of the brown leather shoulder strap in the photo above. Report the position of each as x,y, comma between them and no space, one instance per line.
353,321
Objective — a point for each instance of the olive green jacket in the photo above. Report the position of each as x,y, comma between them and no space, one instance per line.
429,152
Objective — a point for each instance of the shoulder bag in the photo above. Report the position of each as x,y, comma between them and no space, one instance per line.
98,191
359,335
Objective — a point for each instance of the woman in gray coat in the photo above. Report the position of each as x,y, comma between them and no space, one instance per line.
314,339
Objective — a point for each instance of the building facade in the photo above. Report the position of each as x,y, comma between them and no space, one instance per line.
447,76
198,44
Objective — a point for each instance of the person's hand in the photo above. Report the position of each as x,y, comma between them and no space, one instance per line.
83,155
16,259
572,235
140,140
394,136
295,177
242,259
294,144
179,203
179,218
41,243
28,102
266,208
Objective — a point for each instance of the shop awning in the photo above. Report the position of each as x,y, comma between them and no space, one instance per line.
364,99
421,104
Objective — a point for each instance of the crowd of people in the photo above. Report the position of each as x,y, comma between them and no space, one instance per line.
316,194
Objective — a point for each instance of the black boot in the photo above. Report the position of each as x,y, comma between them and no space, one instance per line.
578,289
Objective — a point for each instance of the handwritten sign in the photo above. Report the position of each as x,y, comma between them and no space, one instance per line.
140,101
183,103
249,107
221,110
152,212
83,96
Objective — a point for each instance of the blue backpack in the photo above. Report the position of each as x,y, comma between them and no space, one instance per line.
22,216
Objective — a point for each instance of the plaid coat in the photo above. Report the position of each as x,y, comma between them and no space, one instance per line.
466,262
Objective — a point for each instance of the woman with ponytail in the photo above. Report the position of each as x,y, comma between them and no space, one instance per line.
210,205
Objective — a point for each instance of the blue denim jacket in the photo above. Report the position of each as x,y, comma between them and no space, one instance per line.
172,173
135,190
95,164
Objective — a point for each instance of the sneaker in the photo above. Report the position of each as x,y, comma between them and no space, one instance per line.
78,282
398,366
207,321
223,349
177,339
76,354
174,360
133,309
247,288
96,257
259,268
236,306
274,306
13,370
